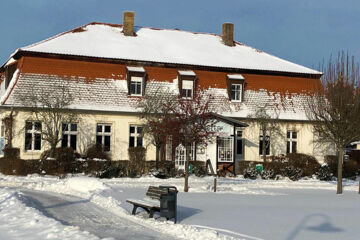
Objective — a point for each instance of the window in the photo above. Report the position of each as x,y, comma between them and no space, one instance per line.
236,92
103,136
69,135
267,145
180,155
187,89
136,139
239,143
225,149
136,86
235,83
187,80
291,143
136,80
32,135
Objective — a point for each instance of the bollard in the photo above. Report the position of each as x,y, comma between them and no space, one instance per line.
359,187
214,184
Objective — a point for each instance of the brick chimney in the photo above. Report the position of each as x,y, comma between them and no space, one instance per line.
228,34
128,23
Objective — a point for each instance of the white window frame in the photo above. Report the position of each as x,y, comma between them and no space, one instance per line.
69,133
136,80
136,135
223,149
238,92
184,86
103,134
291,140
33,132
180,155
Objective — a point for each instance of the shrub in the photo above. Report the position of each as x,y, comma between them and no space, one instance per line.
268,174
199,168
293,173
308,164
350,169
324,173
251,172
96,151
137,161
11,153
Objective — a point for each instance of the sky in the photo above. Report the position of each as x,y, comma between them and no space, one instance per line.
306,32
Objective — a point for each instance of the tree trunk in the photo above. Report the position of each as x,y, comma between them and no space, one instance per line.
157,157
187,159
52,150
340,166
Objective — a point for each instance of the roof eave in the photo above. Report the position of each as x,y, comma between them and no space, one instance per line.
21,53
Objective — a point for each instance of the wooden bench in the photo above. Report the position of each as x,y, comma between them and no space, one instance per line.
151,203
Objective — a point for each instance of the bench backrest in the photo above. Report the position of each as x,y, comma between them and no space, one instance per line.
155,192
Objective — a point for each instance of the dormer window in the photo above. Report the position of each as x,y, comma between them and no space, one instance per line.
136,81
235,87
187,84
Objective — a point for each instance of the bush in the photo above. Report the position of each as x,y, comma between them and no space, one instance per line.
268,174
306,163
12,153
251,172
351,168
199,168
293,173
96,151
137,161
324,173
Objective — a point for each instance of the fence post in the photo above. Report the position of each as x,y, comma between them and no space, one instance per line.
214,184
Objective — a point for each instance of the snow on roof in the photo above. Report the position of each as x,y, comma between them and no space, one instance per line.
162,45
135,69
112,95
187,73
236,76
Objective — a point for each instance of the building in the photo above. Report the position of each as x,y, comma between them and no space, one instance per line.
109,66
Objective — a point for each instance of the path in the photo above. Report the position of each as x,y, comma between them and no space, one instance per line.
87,216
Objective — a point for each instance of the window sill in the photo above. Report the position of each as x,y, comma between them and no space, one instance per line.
236,101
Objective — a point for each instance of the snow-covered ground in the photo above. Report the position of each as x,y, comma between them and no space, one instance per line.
240,209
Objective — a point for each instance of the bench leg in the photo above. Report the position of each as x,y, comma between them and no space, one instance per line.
134,210
151,214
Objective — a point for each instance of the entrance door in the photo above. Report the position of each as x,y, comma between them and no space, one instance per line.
225,153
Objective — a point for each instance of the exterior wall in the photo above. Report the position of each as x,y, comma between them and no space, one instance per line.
305,141
120,138
87,133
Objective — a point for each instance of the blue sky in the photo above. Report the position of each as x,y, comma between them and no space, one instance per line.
302,31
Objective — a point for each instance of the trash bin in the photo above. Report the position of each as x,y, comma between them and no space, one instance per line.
259,167
168,202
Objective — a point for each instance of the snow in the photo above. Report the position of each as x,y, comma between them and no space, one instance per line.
10,86
236,76
19,221
163,45
240,209
187,73
135,69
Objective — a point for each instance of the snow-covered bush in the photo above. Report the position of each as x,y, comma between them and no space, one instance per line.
293,173
324,173
251,172
268,174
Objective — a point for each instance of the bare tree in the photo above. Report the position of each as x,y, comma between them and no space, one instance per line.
335,108
267,118
50,106
192,121
155,111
